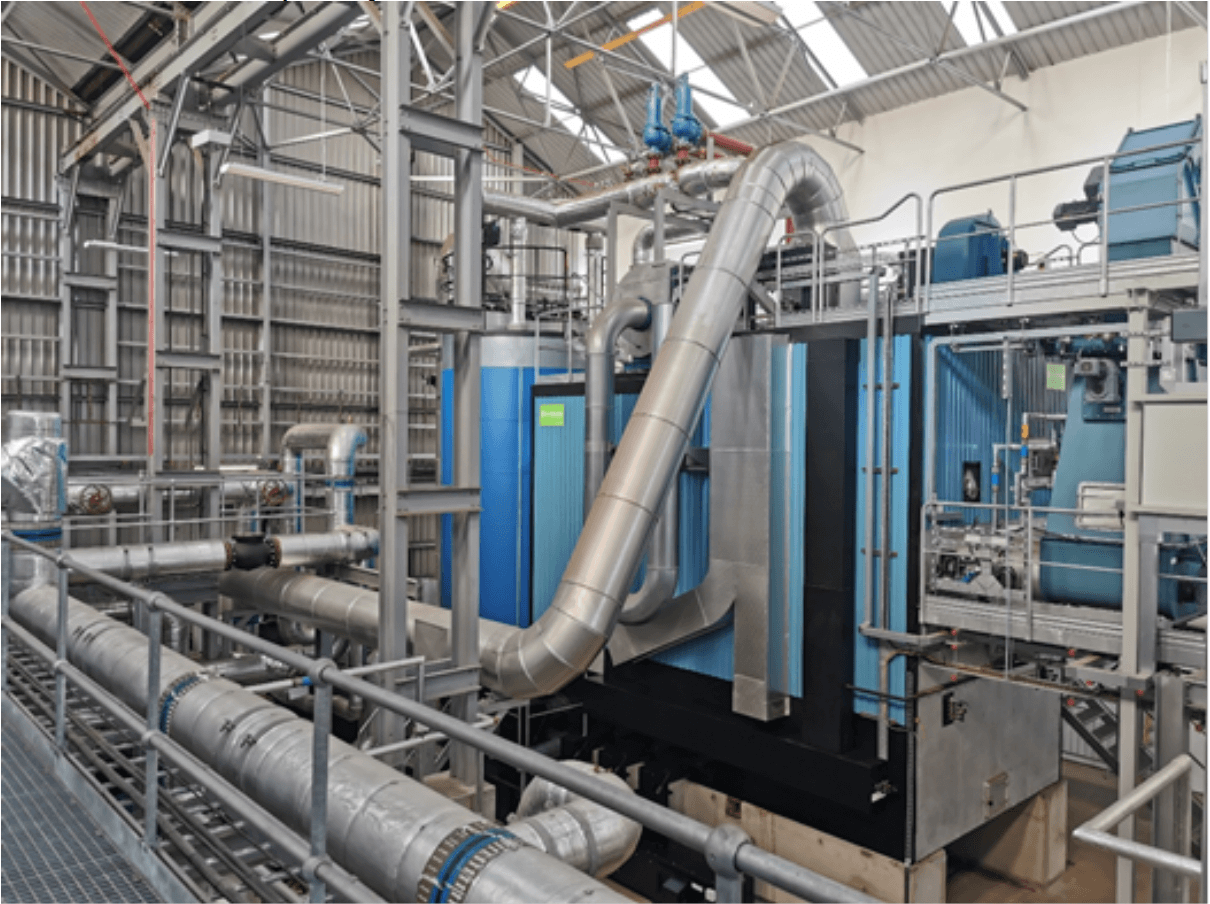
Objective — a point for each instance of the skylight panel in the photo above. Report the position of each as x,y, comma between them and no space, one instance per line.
535,82
659,41
974,26
828,46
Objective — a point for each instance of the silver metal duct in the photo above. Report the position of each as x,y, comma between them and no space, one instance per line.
579,832
643,249
571,633
520,236
694,178
627,312
137,562
33,475
341,442
345,610
383,827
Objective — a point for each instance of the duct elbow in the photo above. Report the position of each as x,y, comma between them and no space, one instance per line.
625,313
582,834
645,603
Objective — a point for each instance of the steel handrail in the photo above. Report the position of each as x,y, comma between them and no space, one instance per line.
735,847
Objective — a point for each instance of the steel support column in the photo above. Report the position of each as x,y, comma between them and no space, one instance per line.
393,359
468,292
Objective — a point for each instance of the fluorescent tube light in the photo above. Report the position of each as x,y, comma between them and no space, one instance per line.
256,172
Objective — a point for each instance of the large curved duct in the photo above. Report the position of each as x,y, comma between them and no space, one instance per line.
693,179
643,248
341,442
382,826
571,633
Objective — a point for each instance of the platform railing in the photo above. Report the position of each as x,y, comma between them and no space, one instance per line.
727,848
1098,831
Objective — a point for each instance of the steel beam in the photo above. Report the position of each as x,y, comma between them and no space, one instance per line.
218,28
468,293
393,473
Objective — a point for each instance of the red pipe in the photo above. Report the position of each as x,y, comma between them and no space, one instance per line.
151,170
734,145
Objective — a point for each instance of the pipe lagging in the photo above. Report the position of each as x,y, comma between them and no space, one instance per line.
341,442
572,632
627,312
580,832
137,562
383,827
693,179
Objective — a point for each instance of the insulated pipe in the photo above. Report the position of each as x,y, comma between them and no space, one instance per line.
137,562
643,248
520,236
235,489
663,554
627,312
341,442
578,831
693,179
393,833
571,633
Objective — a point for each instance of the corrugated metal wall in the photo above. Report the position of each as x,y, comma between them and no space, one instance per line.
323,277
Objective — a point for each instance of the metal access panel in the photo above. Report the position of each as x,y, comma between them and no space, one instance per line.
982,746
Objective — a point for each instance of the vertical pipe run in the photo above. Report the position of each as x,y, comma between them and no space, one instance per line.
6,589
884,525
871,378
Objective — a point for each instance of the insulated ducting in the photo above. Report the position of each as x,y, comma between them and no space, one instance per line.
693,179
571,633
395,834
152,560
577,831
341,442
33,474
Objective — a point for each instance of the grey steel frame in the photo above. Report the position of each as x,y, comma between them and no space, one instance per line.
730,852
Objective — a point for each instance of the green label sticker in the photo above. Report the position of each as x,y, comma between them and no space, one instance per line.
550,415
1056,377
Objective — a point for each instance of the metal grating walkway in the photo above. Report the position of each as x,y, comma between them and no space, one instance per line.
50,850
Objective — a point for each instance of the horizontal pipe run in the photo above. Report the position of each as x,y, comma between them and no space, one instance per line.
675,826
231,799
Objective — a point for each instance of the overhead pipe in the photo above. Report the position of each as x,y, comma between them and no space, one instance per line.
571,633
693,179
394,833
96,495
341,442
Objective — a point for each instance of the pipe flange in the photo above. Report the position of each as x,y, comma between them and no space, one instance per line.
722,846
229,550
174,693
275,555
96,499
462,855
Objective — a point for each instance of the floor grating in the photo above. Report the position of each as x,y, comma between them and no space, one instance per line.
50,849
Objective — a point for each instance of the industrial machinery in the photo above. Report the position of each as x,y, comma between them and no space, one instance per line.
800,532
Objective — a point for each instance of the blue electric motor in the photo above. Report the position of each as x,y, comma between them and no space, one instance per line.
970,248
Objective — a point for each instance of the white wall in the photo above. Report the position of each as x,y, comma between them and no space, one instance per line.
1075,110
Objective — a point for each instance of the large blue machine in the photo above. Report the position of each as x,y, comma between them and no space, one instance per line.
970,248
1154,192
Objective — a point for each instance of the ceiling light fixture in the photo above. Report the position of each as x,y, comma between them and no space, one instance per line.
265,175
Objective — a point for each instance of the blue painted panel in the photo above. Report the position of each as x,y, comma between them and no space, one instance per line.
866,653
505,466
558,497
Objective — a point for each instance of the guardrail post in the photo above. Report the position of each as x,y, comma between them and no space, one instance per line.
721,847
6,588
61,655
151,756
321,729
1104,227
